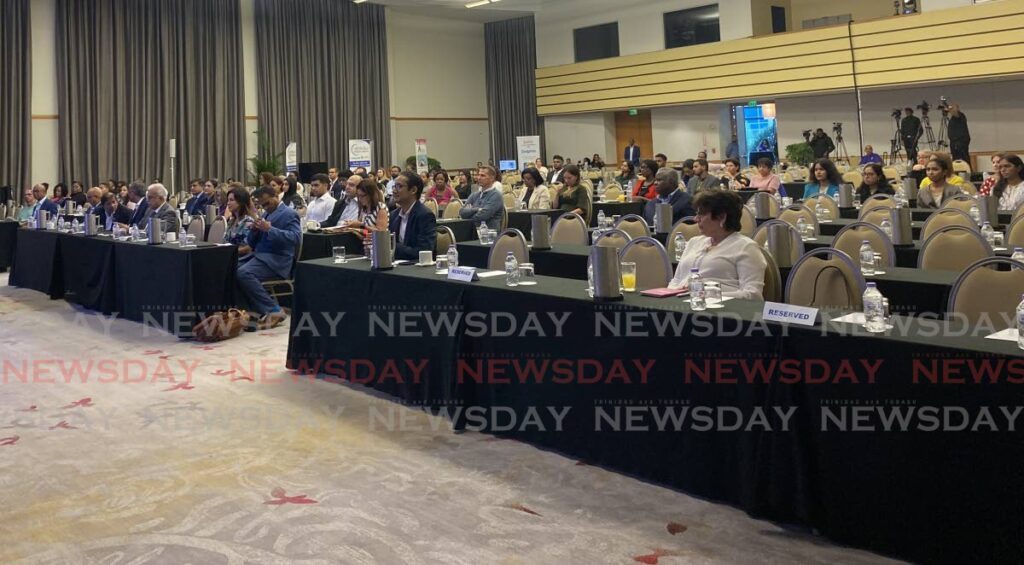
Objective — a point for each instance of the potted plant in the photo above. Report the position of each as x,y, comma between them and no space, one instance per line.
799,154
265,160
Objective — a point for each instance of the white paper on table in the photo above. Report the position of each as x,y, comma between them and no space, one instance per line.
402,262
998,249
489,274
724,299
1009,334
855,318
359,258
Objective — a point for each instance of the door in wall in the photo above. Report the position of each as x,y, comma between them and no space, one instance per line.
636,127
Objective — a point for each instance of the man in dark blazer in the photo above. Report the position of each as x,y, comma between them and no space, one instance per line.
111,213
42,202
667,186
632,153
137,194
196,205
414,226
159,209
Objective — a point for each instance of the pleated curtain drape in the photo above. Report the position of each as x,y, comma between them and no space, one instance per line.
511,62
323,78
16,100
132,75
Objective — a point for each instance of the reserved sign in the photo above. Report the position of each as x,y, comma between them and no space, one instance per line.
464,274
790,314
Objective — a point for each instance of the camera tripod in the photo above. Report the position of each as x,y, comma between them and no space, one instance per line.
929,134
943,143
896,145
841,153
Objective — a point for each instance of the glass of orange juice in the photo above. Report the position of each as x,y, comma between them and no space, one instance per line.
628,270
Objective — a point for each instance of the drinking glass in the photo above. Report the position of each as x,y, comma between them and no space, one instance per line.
787,201
394,243
628,271
527,276
712,294
190,240
442,265
879,266
339,254
999,239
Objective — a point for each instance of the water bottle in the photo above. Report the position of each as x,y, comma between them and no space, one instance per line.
887,227
680,245
481,232
801,226
75,226
135,233
874,310
1018,254
186,219
590,277
1020,324
511,270
697,291
988,233
453,256
867,258
820,211
975,214
182,236
901,196
600,218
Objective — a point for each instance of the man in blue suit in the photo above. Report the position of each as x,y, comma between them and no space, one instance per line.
137,194
667,186
274,240
414,225
632,153
43,203
196,205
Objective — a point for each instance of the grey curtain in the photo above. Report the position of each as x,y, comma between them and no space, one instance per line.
131,75
322,75
511,61
16,100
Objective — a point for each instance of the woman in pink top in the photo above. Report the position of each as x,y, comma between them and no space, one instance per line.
441,190
765,180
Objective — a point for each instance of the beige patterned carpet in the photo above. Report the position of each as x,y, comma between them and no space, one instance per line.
169,453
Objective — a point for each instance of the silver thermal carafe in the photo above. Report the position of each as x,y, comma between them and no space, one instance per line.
607,279
846,195
42,216
380,255
763,206
663,218
901,227
540,233
780,244
989,208
92,224
155,231
910,188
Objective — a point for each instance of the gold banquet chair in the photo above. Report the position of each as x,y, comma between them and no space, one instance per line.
431,205
613,192
772,291
284,287
851,237
748,223
854,178
876,201
451,211
197,228
946,217
634,225
876,215
445,237
1015,233
959,202
686,226
653,269
792,214
952,248
510,201
510,240
826,277
570,229
217,230
961,166
761,238
983,292
613,238
827,201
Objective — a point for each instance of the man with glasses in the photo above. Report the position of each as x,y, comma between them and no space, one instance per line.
274,240
414,226
347,207
28,206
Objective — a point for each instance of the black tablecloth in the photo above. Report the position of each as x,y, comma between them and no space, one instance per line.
918,215
522,220
920,495
37,263
8,237
464,230
616,209
794,190
87,265
832,227
565,261
320,245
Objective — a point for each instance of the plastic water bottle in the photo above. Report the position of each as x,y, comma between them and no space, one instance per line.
600,218
74,225
453,256
680,245
1020,323
874,310
1018,254
886,227
901,196
511,270
801,226
867,258
135,233
182,236
820,211
988,233
697,302
186,219
975,214
481,232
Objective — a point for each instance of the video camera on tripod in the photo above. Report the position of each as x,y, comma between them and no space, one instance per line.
924,106
896,113
807,135
837,128
943,104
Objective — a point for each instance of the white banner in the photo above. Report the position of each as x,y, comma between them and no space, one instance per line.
422,165
528,150
291,159
360,154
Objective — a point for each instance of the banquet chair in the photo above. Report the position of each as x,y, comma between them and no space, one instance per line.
553,190
653,269
876,201
431,205
510,240
946,217
284,287
3,211
613,238
827,201
570,228
445,238
504,219
748,223
851,237
960,202
826,277
983,293
772,291
1015,233
952,248
634,225
761,238
451,211
686,226
509,200
197,228
854,178
774,206
1016,213
891,173
613,192
876,215
792,214
961,166
217,231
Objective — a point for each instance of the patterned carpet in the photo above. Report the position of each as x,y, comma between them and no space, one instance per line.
127,448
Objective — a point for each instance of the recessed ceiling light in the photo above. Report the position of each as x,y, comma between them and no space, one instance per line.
478,3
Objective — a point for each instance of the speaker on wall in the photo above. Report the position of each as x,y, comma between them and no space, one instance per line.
307,170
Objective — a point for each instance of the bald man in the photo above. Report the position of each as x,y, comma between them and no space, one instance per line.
347,207
92,197
156,198
42,202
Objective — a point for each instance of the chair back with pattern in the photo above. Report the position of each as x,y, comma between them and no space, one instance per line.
826,277
613,192
984,294
634,225
853,177
961,166
959,202
877,215
217,230
792,214
851,237
772,291
553,192
946,217
827,201
445,237
653,269
571,229
197,228
797,245
510,240
1015,233
748,223
613,238
509,200
876,201
686,226
431,205
451,211
952,248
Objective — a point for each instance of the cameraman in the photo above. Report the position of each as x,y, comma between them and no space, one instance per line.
959,136
910,131
822,144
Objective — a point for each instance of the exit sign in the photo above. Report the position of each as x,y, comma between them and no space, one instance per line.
634,112
752,103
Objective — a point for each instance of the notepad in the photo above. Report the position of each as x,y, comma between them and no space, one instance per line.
1009,334
663,292
489,274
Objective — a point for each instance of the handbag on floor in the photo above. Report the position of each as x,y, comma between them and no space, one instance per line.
221,325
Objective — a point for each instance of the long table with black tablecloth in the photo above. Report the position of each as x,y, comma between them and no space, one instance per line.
918,215
832,227
162,286
464,230
612,209
614,371
522,220
317,245
8,238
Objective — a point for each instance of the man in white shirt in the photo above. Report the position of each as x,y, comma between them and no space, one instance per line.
322,203
390,188
555,175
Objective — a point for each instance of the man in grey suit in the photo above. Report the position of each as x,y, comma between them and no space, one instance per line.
486,205
156,198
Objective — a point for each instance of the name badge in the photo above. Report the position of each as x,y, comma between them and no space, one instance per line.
464,274
790,314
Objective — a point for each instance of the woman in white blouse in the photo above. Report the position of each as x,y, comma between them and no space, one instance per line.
534,193
1010,188
721,253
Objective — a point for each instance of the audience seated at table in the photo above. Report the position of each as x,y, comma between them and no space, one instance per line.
42,202
597,162
992,177
533,192
644,186
137,197
923,158
60,194
220,197
574,196
732,179
667,184
346,209
870,156
538,164
28,206
874,182
110,212
274,240
157,207
487,205
440,190
196,204
765,180
627,173
414,225
825,178
660,161
321,203
288,193
721,253
1010,188
702,179
77,193
940,187
94,198
554,176
239,219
